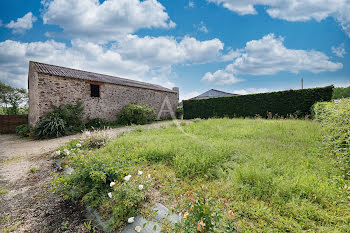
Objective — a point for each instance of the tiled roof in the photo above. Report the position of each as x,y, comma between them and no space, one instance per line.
213,93
80,74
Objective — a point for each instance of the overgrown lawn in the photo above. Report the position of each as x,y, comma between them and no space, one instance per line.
276,175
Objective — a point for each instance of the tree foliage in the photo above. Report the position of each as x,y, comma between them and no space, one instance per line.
11,98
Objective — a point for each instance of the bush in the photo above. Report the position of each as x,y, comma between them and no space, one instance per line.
335,121
50,127
126,199
23,130
65,119
341,92
134,113
282,103
71,114
94,139
179,112
96,123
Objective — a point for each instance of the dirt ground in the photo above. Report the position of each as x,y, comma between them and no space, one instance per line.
26,205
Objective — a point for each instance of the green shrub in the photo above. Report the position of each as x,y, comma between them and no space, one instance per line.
179,112
282,103
126,202
63,120
72,114
50,126
134,113
94,139
96,123
341,92
335,120
23,130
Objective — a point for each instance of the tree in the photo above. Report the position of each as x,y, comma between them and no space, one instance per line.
12,98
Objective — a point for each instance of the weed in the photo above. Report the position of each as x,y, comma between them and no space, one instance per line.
2,191
12,160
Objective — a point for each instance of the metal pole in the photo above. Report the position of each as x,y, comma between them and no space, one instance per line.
302,83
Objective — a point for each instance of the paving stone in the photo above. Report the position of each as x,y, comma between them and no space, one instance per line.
162,213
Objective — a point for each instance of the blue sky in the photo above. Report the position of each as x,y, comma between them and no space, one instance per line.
236,46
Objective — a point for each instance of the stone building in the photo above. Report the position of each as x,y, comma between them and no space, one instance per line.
103,96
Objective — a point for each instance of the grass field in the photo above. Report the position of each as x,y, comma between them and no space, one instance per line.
275,174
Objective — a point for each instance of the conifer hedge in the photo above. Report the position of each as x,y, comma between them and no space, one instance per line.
282,103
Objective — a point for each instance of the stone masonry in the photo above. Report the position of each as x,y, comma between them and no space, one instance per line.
47,90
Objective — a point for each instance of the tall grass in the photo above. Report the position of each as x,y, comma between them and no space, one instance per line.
275,173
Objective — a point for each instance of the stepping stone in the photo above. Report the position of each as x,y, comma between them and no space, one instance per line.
162,213
153,226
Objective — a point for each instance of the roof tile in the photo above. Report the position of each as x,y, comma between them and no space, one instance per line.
80,74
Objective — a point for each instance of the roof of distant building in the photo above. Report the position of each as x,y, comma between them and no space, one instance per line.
213,93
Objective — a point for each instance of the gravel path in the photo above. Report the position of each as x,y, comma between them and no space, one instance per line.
25,204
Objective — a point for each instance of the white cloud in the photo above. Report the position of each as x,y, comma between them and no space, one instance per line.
232,54
220,77
295,10
339,51
202,28
148,59
164,51
250,91
22,24
269,56
191,4
188,95
107,21
81,55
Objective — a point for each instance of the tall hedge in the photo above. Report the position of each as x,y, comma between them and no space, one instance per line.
281,103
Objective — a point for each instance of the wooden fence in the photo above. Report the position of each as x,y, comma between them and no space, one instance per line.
8,123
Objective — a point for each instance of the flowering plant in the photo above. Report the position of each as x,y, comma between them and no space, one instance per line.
126,197
201,214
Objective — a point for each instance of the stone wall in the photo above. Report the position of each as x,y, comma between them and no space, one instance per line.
33,114
50,90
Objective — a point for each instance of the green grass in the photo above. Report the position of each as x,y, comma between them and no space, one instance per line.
275,174
33,169
12,160
2,191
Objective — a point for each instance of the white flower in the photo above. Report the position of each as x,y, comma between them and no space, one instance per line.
110,195
140,187
58,152
78,145
131,220
112,184
149,176
87,133
127,178
138,229
140,173
66,151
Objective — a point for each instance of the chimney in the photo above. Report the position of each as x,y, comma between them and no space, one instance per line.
176,89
